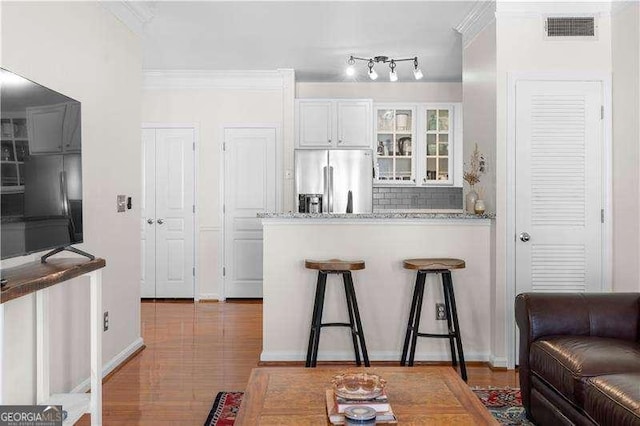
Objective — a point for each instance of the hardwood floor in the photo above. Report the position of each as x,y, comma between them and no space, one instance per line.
195,350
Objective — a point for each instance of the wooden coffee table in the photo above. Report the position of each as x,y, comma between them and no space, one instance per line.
418,396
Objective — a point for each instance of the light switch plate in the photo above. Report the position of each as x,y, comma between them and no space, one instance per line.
122,203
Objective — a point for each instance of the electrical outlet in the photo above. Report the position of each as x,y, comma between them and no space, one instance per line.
441,314
105,321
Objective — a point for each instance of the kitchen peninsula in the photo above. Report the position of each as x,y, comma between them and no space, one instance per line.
383,288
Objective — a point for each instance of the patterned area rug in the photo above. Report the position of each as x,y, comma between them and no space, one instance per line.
225,409
505,404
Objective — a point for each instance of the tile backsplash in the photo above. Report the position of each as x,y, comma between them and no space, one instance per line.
392,198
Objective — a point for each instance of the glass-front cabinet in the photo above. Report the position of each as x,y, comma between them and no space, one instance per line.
15,148
395,135
418,144
437,140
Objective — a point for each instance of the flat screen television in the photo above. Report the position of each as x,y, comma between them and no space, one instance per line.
41,168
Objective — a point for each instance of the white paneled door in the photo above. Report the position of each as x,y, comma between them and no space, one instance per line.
168,213
559,186
249,188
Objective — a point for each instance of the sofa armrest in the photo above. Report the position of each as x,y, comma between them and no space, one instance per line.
615,315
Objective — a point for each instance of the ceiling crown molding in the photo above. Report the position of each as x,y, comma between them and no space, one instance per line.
481,15
216,79
135,15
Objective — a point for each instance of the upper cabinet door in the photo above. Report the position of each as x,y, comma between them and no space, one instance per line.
71,128
354,123
45,127
315,124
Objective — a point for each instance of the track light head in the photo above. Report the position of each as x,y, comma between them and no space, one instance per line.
417,73
393,76
373,75
351,71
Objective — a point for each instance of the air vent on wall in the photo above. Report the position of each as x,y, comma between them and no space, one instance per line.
569,27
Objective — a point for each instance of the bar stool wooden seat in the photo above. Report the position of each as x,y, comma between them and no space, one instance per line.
443,267
344,268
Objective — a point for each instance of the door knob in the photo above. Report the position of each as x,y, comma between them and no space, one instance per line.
150,221
524,237
160,221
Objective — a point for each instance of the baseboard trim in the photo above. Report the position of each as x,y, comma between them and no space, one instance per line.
113,365
347,356
209,297
498,363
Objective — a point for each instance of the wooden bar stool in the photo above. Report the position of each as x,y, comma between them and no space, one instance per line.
344,268
442,267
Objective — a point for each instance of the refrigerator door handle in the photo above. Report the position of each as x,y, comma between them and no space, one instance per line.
325,190
330,189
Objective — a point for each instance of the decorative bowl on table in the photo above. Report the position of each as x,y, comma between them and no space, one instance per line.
358,385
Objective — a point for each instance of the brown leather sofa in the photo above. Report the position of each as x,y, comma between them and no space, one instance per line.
580,358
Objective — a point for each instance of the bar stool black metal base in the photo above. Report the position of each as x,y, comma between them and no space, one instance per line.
413,325
354,323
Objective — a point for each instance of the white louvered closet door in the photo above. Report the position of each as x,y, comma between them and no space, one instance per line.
558,186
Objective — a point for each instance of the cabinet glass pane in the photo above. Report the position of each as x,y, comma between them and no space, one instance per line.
20,128
443,120
432,119
6,128
403,145
22,150
385,168
403,169
385,120
21,172
385,144
431,144
443,168
403,120
9,174
431,169
7,154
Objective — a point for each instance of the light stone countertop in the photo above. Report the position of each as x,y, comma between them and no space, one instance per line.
377,215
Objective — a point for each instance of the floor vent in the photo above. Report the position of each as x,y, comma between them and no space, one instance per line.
570,27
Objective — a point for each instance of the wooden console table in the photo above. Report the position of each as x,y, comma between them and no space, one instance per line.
36,277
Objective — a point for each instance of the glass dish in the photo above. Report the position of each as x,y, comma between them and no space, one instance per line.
358,385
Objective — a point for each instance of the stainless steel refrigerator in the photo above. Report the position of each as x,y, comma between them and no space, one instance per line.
343,179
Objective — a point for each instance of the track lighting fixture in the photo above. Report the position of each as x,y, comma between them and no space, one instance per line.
373,75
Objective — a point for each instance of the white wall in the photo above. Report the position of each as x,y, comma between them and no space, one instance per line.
383,91
211,109
80,50
479,106
625,50
521,47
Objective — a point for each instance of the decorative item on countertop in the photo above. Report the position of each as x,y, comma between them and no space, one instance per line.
479,206
476,168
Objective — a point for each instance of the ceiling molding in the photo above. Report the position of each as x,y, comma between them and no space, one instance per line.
215,79
135,15
619,6
481,15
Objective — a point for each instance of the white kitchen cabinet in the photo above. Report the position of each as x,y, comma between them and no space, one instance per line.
333,123
54,129
419,144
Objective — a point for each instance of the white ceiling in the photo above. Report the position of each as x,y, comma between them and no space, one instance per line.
313,37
